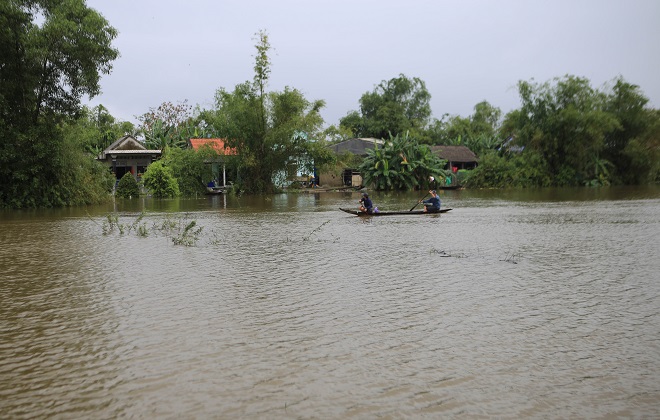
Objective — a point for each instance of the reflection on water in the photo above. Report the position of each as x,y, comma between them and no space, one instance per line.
514,304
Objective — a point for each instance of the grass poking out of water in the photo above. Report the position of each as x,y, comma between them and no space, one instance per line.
446,254
180,231
189,236
511,258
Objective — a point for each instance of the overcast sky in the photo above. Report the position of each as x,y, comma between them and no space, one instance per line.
466,51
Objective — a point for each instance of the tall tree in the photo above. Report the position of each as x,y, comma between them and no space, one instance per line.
631,144
486,119
53,53
395,106
479,131
101,128
644,152
270,130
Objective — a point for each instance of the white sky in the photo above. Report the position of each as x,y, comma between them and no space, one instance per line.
465,51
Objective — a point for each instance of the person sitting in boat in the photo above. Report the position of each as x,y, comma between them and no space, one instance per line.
432,205
365,204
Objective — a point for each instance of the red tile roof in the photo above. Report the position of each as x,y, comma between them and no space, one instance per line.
217,144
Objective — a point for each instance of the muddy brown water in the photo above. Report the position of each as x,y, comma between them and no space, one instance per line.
516,304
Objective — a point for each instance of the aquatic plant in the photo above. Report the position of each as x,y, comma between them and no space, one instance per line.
110,223
181,234
447,254
511,258
189,236
318,229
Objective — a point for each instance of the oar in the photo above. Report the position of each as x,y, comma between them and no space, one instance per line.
413,207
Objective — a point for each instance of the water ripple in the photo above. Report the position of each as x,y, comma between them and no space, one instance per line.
510,312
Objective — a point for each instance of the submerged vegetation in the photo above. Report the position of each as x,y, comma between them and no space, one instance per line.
179,231
316,231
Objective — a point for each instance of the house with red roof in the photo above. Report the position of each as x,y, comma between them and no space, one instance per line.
223,150
217,144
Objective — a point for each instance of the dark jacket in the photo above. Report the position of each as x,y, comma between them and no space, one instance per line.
366,202
432,204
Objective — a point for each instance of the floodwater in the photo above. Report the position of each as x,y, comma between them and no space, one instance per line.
515,304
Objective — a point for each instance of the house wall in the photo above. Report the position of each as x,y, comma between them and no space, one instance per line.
461,165
121,165
348,177
330,180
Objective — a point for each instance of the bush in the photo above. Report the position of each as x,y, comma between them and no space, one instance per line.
128,186
493,172
522,170
189,168
530,170
158,179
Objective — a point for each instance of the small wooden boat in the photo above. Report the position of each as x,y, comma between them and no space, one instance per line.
214,191
390,213
217,190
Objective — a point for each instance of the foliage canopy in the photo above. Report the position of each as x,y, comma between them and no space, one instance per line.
53,53
270,130
395,106
402,163
581,135
160,181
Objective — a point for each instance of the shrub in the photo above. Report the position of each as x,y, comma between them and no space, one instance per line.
158,179
128,186
493,172
190,169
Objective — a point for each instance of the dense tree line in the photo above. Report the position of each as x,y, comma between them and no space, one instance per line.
54,52
566,133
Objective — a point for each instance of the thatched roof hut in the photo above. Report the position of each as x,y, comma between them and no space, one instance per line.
459,157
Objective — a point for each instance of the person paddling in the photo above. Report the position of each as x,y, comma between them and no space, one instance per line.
365,204
432,205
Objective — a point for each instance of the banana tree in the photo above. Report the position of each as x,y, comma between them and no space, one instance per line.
600,173
400,164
